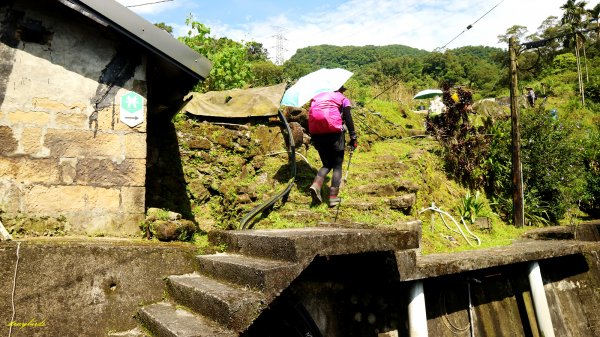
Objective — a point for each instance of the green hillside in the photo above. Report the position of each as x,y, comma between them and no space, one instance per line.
460,162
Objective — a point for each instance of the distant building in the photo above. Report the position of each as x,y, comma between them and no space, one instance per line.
84,87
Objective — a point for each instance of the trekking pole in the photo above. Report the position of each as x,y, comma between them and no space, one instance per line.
348,167
337,211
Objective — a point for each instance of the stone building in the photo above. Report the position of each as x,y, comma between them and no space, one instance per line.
85,85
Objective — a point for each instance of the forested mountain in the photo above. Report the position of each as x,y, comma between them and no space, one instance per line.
351,57
479,67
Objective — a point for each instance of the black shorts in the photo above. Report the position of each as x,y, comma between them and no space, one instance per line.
331,148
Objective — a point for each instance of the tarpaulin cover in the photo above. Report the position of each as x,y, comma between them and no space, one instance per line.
236,103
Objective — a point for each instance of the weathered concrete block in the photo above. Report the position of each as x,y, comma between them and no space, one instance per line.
29,118
300,243
135,146
59,199
127,224
10,196
31,141
29,171
163,318
50,105
105,172
72,120
68,170
8,142
86,287
133,199
406,261
233,307
403,203
72,143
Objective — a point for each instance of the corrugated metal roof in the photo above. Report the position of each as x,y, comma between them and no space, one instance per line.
111,13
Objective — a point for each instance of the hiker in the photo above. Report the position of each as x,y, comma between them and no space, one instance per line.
328,119
531,97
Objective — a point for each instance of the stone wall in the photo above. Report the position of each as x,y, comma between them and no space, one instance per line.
107,280
63,151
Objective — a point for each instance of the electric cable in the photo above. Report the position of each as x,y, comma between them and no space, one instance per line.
470,26
148,3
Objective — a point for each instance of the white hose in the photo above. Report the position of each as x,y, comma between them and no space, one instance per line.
298,154
459,231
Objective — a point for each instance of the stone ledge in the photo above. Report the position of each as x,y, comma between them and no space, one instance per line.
300,244
530,250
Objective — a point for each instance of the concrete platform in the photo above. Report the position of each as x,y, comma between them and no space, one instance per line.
435,265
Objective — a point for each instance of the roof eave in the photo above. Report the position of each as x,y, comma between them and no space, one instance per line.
145,33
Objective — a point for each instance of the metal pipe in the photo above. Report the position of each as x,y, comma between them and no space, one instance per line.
540,303
417,315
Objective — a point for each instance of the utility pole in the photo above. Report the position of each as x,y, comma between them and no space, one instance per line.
517,169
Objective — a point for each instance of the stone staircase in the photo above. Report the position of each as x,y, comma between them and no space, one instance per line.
232,289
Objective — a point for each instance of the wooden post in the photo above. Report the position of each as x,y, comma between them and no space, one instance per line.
517,173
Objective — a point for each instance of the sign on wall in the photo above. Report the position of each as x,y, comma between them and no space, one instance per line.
132,109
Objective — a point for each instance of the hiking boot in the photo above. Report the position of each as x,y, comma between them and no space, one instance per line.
334,200
315,190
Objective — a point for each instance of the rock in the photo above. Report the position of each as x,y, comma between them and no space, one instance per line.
297,133
406,186
297,115
376,190
403,203
154,214
225,140
199,192
174,230
200,144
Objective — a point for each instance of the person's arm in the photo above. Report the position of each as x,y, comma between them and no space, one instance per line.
347,116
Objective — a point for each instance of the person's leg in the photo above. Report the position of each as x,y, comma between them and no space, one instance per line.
336,179
315,188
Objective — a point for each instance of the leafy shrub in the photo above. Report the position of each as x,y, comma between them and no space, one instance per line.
553,175
471,207
230,65
590,202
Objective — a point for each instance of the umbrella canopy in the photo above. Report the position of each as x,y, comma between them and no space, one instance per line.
322,80
428,93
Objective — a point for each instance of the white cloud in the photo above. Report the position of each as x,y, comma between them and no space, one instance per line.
423,24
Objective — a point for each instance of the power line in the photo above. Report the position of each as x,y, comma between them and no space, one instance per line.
470,26
149,3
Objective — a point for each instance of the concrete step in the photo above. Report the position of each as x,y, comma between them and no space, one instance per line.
166,320
232,306
300,244
267,276
135,332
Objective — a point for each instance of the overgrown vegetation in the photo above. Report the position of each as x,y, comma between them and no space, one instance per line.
468,169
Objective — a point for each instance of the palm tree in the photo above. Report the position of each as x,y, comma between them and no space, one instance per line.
594,15
573,20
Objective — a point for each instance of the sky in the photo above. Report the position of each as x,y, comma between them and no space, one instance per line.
422,24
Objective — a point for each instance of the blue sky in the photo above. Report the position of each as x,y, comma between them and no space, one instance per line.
423,24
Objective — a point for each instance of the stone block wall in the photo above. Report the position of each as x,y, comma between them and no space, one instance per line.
63,150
